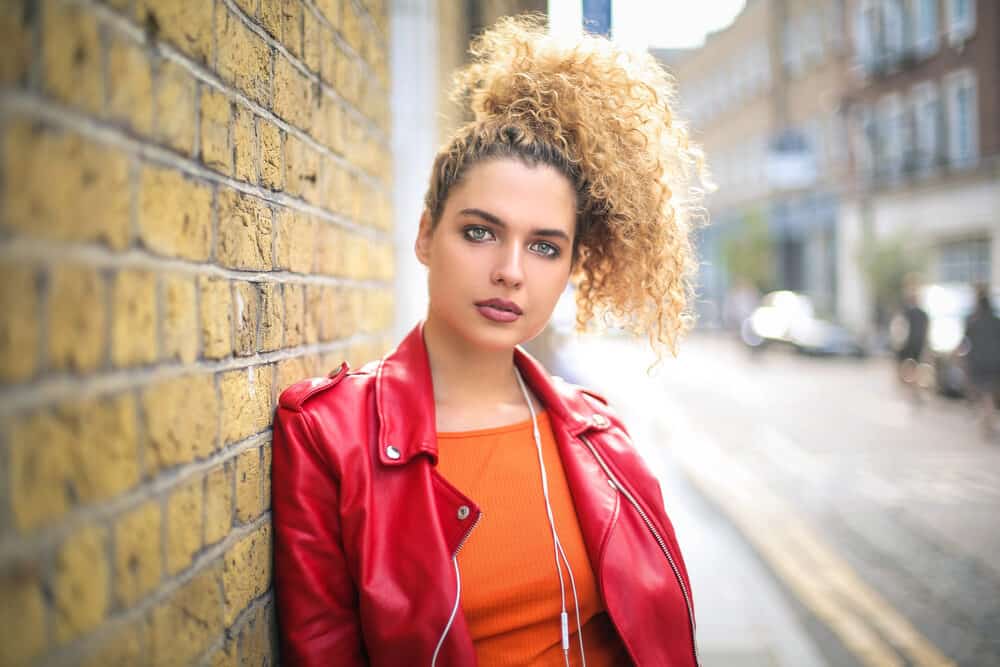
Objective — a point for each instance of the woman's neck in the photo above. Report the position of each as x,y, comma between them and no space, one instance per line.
470,376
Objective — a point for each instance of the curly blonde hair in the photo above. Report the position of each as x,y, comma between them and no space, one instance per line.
603,117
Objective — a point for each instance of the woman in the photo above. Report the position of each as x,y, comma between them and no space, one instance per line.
452,503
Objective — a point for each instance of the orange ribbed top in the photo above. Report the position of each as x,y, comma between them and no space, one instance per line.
510,589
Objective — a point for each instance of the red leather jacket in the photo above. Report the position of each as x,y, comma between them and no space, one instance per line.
366,530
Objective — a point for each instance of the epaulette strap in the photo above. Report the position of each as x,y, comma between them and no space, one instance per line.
294,396
591,392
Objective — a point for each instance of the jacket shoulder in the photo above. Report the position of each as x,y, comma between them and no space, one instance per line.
294,396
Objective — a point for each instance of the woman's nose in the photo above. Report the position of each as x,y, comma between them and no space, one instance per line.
509,270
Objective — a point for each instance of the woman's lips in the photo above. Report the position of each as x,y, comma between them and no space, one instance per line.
497,315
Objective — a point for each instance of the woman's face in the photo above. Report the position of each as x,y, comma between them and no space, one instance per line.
500,256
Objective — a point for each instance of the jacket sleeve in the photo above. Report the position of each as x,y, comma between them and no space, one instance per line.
317,601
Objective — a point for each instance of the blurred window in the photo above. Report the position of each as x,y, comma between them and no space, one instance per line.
927,117
966,261
961,20
890,155
963,118
925,23
835,26
895,30
866,30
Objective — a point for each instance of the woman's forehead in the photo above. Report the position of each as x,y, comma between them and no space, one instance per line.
517,194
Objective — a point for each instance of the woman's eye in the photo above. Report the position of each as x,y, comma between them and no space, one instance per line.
478,233
546,249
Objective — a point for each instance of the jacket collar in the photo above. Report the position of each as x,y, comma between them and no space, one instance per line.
404,400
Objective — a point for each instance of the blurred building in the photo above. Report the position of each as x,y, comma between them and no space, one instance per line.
763,97
925,137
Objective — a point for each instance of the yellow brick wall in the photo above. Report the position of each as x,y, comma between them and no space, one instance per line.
194,213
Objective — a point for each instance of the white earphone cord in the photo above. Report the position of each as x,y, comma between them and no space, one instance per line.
557,545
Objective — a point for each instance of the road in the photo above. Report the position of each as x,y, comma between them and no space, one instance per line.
879,520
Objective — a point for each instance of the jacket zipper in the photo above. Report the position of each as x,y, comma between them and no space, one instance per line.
458,589
659,540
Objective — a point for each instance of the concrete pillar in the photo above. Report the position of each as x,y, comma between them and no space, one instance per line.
414,100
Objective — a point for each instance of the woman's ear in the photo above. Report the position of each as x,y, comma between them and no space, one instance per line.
422,246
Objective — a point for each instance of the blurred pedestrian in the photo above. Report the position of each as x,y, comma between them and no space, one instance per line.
573,168
908,337
982,337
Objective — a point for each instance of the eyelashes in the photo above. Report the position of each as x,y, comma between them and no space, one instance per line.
480,234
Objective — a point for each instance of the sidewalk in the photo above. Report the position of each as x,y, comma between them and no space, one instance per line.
743,618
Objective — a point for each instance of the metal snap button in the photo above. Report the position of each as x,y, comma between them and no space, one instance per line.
463,512
392,452
600,420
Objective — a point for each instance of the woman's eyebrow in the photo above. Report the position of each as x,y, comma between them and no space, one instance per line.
489,217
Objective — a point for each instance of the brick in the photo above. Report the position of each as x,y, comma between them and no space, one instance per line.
176,111
313,313
124,646
22,614
19,330
16,36
255,637
266,473
351,26
180,319
246,402
41,472
293,94
331,11
244,239
246,572
175,214
270,17
130,86
80,583
133,320
219,502
295,242
77,318
59,186
184,24
290,371
294,316
244,60
184,525
327,313
246,299
249,7
215,121
225,656
216,317
248,479
271,323
342,324
301,170
182,420
291,26
105,452
312,38
271,151
245,145
79,452
138,565
347,76
329,249
71,56
189,621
